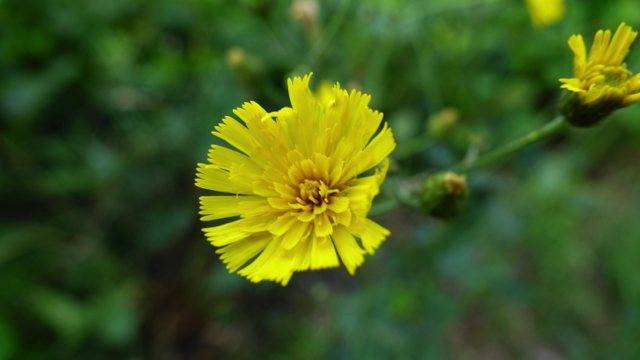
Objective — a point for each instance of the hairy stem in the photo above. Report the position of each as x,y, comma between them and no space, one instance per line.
545,130
502,152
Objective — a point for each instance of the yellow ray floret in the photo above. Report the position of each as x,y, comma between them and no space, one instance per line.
602,76
293,183
545,12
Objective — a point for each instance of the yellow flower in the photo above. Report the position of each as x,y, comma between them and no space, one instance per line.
601,82
295,184
545,12
603,76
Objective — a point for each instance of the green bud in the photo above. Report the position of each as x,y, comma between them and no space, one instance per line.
444,194
440,124
307,12
246,66
586,115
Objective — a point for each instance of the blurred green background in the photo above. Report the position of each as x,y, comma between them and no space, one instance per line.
107,106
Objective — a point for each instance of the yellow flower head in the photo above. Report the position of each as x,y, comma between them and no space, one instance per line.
601,81
545,12
295,184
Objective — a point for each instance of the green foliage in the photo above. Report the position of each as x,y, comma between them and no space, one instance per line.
106,107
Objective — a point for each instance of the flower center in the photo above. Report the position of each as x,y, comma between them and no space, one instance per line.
311,195
615,76
315,192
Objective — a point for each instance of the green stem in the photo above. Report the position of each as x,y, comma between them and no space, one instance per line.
545,130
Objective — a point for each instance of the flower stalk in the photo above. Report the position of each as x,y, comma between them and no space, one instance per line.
544,131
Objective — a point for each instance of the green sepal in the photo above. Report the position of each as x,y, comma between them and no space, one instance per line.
584,116
444,194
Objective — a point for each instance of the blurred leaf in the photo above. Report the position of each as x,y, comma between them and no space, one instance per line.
115,315
64,314
8,340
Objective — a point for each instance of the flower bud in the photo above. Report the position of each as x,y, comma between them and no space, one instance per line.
584,115
601,82
307,12
444,194
440,124
246,66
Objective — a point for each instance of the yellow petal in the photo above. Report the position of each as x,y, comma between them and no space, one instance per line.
220,207
225,234
294,235
274,263
580,54
350,252
231,131
279,203
616,51
598,48
323,254
282,224
238,253
630,99
338,204
214,178
322,225
254,207
344,218
370,233
225,158
380,147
